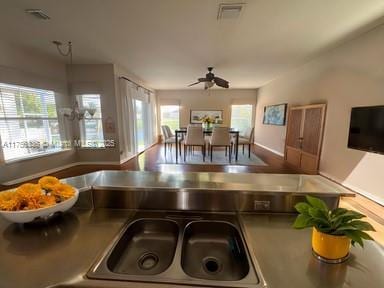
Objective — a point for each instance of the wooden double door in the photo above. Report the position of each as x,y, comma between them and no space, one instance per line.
304,137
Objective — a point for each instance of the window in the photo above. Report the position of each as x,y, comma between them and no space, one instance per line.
28,122
91,130
241,117
169,115
141,124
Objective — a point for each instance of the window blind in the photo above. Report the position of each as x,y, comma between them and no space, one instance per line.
28,121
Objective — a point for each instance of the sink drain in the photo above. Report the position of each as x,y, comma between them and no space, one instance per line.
211,265
147,261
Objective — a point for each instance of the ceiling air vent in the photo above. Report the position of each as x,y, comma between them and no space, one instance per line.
230,10
38,13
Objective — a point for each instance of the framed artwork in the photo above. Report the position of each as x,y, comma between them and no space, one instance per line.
275,114
198,115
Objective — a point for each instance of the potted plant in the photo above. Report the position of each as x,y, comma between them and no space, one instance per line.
332,230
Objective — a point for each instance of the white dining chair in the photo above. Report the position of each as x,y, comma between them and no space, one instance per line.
169,138
194,137
246,139
220,138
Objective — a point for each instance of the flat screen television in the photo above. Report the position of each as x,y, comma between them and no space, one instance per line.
366,131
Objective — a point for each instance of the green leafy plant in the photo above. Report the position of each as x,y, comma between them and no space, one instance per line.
338,222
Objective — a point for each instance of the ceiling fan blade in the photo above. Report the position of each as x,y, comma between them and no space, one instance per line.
193,83
221,82
199,81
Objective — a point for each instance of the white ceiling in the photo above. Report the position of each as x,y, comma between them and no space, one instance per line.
169,43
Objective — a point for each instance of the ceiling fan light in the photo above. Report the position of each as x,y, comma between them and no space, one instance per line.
208,84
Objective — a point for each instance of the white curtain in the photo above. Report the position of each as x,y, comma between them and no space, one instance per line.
128,92
141,94
153,113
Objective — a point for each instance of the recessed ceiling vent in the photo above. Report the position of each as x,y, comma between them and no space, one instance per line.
38,13
230,10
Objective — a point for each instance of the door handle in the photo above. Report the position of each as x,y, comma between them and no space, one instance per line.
301,139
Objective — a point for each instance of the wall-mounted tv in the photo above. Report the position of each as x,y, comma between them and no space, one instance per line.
366,131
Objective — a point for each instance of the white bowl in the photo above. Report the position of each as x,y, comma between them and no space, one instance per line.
24,216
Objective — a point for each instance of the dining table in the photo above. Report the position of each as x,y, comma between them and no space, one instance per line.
207,131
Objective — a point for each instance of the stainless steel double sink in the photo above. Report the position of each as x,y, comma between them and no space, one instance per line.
194,249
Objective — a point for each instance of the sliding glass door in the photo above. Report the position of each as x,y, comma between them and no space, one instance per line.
141,125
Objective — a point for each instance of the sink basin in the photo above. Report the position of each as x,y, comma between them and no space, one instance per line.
214,250
147,247
179,248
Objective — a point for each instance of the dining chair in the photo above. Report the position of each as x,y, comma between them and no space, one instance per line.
194,137
246,139
220,138
169,138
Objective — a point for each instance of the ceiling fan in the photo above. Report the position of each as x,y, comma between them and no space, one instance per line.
210,79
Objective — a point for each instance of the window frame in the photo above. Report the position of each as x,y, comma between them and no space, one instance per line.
82,128
252,119
39,91
161,114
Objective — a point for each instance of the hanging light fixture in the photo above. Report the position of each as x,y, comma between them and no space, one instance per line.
75,112
78,113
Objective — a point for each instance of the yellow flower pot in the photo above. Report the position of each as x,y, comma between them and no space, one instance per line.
330,246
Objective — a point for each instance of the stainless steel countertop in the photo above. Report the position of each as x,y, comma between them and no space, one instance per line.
276,183
42,256
35,256
285,257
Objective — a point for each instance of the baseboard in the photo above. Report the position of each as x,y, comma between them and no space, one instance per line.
137,154
56,169
98,163
270,149
353,188
126,159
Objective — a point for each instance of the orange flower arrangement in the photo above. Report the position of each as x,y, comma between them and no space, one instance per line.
62,192
48,192
28,196
8,201
47,182
46,201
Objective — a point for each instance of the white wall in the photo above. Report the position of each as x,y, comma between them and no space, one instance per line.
21,66
98,79
350,75
214,99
